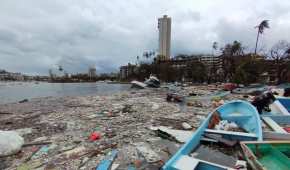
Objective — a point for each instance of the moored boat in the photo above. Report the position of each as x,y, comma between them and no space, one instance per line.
242,113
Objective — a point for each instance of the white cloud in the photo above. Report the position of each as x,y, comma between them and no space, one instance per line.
37,35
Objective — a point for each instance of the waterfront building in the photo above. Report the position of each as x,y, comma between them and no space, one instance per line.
11,76
211,61
164,27
92,72
126,72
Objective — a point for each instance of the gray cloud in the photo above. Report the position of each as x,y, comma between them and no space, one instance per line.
38,35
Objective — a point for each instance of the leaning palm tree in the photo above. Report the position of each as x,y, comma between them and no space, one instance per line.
214,46
261,27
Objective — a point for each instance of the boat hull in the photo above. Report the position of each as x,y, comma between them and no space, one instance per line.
248,119
267,155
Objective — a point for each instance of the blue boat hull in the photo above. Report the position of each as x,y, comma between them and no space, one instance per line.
285,101
248,119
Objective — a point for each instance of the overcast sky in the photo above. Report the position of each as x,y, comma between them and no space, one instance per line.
36,35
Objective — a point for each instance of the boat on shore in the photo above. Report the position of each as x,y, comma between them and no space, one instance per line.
267,155
254,89
277,123
152,81
138,84
194,155
285,101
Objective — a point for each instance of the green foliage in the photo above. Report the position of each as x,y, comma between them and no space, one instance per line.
248,72
196,71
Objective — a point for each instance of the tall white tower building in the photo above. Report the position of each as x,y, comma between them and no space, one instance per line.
164,26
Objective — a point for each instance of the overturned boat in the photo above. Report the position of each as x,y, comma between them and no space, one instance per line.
138,84
153,82
196,154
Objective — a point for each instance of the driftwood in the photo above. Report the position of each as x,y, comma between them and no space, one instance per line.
5,113
36,143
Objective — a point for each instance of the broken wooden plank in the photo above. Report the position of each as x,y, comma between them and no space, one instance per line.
5,113
280,119
273,125
189,163
106,163
220,139
231,133
181,136
276,136
36,143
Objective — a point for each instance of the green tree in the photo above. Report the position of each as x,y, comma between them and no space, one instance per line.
249,71
196,71
280,54
230,56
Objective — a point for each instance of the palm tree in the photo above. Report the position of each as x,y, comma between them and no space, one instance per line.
237,48
214,46
261,27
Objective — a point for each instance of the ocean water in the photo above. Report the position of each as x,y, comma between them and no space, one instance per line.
16,91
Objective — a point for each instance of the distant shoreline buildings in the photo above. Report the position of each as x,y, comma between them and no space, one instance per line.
164,53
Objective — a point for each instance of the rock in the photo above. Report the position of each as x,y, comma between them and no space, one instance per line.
186,126
10,143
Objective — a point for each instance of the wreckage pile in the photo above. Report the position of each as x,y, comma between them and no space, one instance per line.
136,129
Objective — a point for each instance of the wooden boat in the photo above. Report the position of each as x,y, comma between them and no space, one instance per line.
285,101
278,123
277,109
242,113
267,155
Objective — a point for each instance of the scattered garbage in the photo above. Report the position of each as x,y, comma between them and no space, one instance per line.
23,101
186,126
81,132
226,125
174,97
173,134
10,143
106,164
95,136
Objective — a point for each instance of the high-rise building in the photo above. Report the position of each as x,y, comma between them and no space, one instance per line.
164,26
92,72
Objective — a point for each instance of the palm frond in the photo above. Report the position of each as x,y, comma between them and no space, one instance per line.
261,27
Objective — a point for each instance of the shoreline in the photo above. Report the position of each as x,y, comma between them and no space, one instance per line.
13,92
123,119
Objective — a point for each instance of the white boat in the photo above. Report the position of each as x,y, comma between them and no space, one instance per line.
153,82
138,84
